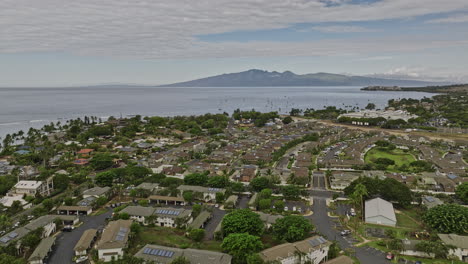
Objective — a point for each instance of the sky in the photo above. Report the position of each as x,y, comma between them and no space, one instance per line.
88,42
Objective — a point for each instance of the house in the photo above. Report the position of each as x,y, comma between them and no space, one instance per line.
253,202
47,222
96,192
459,242
269,219
113,240
158,199
84,244
200,220
74,210
209,194
312,250
139,213
84,152
409,249
8,200
231,202
431,201
380,212
148,186
165,255
42,251
33,188
171,217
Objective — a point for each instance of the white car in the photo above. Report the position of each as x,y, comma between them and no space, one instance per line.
294,208
285,208
81,259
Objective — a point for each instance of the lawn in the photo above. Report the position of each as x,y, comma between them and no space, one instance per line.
171,237
404,220
397,155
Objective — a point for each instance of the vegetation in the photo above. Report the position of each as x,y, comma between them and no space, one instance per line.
242,221
448,218
240,246
292,228
462,192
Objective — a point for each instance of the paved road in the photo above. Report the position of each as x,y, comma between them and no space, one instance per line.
66,241
213,223
318,182
331,227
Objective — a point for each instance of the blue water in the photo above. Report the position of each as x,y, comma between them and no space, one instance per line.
21,108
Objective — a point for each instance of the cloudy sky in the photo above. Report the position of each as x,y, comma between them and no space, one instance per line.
83,42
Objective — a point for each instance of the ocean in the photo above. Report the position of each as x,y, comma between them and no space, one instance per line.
22,108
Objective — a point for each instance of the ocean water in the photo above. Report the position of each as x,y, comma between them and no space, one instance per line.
22,108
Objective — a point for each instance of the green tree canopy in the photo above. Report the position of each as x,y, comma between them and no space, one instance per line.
462,192
259,183
448,218
242,221
241,245
102,161
196,234
199,179
292,228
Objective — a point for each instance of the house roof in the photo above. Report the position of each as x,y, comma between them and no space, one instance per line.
455,240
166,198
380,207
97,191
42,250
200,189
165,255
200,219
115,235
138,210
289,249
85,240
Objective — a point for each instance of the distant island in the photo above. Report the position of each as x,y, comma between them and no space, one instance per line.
261,78
455,88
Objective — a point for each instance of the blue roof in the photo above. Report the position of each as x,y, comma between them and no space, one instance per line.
21,152
452,176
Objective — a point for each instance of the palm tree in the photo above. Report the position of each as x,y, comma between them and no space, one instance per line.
358,196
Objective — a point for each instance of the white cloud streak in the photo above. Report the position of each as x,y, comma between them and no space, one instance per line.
461,18
342,29
166,29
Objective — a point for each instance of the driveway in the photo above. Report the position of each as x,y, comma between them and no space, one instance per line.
210,227
66,241
330,228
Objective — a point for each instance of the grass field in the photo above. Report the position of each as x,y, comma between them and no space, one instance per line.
397,155
171,237
405,221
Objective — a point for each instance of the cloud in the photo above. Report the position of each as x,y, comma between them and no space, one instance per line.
425,73
166,28
342,29
461,18
376,58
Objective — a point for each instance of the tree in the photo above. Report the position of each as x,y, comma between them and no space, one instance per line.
264,204
7,259
241,245
196,234
105,178
242,221
180,260
200,179
218,181
102,200
48,204
143,202
188,196
135,228
219,197
196,209
16,207
292,228
448,218
287,120
61,182
254,259
437,248
259,183
358,195
102,161
462,192
291,192
279,205
265,194
370,106
334,250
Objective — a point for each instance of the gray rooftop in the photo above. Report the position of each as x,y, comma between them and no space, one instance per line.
165,255
43,249
380,207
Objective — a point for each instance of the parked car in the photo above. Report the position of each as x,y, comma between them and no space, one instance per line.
352,212
390,256
217,205
345,232
81,259
285,208
68,228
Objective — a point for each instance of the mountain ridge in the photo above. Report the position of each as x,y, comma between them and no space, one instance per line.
262,78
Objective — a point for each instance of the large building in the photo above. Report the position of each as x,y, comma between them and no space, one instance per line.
312,250
32,188
113,240
165,255
380,212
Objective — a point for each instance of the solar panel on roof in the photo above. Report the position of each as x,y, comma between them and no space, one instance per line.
13,234
171,253
146,250
177,213
5,239
161,252
167,253
119,238
430,199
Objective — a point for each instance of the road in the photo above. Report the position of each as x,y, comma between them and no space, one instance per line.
331,227
66,241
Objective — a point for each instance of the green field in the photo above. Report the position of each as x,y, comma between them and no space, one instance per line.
397,155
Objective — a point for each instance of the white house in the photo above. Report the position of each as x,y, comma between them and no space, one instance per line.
209,194
313,250
31,188
459,242
380,212
168,216
113,240
85,242
96,192
139,213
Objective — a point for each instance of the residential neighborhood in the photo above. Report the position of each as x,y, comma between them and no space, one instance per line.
220,189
